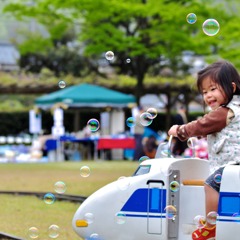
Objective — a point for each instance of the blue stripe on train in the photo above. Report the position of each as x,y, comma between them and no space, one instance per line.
145,216
140,202
228,220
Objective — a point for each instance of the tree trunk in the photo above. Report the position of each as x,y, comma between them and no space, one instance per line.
168,112
140,71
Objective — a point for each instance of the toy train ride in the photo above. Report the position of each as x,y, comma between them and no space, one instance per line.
158,202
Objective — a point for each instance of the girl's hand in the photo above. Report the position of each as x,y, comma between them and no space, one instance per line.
173,130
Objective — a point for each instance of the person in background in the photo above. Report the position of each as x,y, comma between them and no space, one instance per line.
150,146
138,135
179,119
219,84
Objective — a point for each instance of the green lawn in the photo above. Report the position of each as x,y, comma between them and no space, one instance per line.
19,213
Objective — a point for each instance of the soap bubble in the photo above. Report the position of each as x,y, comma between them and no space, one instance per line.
192,142
33,232
171,212
212,217
120,218
60,187
61,84
191,18
174,186
49,198
146,119
53,231
85,171
89,217
211,27
109,55
131,122
123,183
93,124
153,112
143,158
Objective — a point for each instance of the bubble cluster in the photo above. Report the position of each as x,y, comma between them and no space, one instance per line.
191,18
109,55
211,27
93,124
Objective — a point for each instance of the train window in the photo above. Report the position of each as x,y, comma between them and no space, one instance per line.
229,204
144,169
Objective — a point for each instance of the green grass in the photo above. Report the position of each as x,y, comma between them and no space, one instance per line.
19,213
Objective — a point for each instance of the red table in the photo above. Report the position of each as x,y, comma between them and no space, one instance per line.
114,143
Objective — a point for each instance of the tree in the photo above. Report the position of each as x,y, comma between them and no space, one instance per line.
141,33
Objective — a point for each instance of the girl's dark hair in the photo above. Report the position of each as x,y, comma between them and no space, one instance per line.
223,73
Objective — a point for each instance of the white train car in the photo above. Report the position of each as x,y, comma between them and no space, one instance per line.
159,202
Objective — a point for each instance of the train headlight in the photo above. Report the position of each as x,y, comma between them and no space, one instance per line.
81,223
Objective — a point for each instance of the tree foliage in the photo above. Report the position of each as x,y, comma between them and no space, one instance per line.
150,33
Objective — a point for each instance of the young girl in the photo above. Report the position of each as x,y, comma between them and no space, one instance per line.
219,84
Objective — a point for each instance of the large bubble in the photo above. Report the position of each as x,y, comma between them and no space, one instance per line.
211,27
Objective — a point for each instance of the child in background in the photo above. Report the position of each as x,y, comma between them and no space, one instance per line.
219,84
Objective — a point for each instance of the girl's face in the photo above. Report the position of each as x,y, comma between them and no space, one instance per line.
213,94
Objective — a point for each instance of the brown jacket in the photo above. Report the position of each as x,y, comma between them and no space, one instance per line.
211,122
